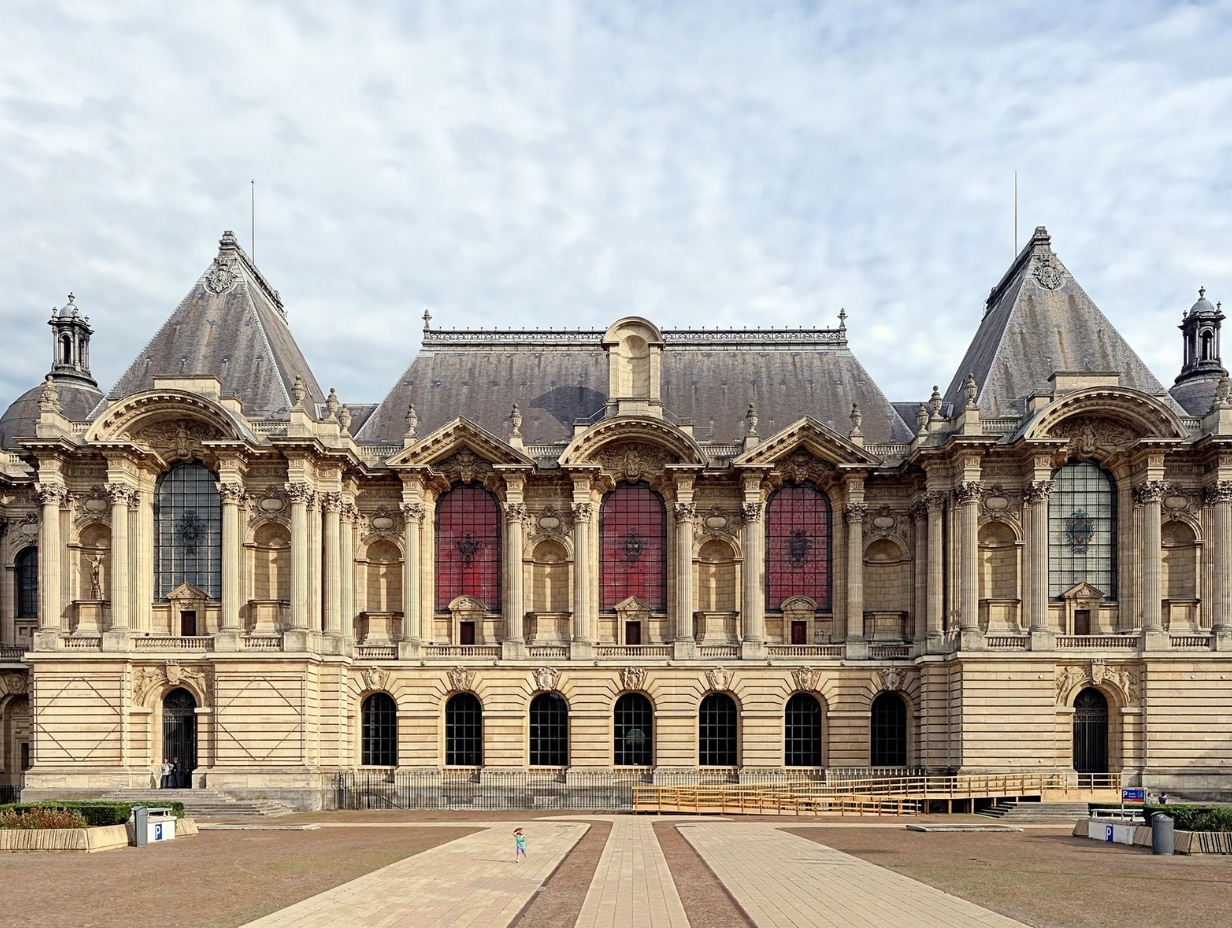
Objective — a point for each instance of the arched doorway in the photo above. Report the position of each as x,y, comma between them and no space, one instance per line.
180,733
1091,732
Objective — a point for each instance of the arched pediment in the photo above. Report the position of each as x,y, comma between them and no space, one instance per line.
810,436
633,325
461,446
169,419
633,447
1103,418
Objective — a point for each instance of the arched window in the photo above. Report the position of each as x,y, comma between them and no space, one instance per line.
463,731
716,731
1091,732
468,548
549,731
798,546
26,563
379,731
1082,530
888,732
66,349
188,531
633,548
633,731
802,732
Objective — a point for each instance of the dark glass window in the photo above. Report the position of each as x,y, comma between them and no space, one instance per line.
188,531
463,731
632,730
27,583
798,546
468,548
549,731
379,731
1091,732
802,732
1082,530
633,548
888,732
716,731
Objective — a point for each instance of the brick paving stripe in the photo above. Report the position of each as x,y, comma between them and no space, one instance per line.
469,883
784,881
632,884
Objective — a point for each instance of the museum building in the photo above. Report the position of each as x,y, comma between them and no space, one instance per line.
636,553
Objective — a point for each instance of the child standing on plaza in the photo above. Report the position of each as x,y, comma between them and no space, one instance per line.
519,842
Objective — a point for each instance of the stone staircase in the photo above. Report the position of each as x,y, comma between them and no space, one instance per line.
203,803
1035,810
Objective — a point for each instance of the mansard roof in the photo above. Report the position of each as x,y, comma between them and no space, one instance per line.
708,377
232,326
1037,321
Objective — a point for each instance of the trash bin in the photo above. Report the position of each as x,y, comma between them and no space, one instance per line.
1161,833
152,824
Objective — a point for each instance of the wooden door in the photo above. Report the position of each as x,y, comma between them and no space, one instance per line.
466,633
1082,621
799,632
633,633
188,623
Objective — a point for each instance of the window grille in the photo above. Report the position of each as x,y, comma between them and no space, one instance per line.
1082,530
464,731
798,546
180,728
380,731
1091,732
888,735
802,732
468,548
633,731
633,548
716,731
27,583
549,731
188,531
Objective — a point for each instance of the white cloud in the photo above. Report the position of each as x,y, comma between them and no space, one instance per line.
733,164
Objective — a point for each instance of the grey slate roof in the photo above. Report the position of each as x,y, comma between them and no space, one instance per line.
232,326
708,377
1037,321
77,399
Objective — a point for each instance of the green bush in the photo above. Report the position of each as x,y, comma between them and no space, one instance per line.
1194,818
93,813
38,817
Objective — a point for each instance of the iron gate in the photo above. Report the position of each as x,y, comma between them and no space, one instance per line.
180,733
1091,732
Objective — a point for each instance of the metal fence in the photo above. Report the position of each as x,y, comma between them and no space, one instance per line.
10,794
463,789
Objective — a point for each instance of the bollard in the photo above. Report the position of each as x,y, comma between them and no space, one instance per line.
1161,833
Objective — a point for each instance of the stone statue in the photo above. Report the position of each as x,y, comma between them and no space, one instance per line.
96,576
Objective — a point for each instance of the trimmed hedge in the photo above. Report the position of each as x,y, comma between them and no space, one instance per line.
1194,818
95,813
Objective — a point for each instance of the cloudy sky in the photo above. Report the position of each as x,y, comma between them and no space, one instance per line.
564,164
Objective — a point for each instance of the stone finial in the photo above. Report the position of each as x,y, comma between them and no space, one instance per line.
934,403
970,390
332,404
49,399
1223,393
856,419
344,418
921,419
72,305
842,318
750,419
515,422
412,423
427,318
299,391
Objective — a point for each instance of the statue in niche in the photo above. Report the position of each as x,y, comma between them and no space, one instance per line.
96,576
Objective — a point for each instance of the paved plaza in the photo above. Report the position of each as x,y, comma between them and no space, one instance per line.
780,880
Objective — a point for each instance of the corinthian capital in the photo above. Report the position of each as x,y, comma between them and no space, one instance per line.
1037,491
968,491
1153,491
49,493
413,512
855,512
120,494
331,502
299,493
685,512
751,512
581,512
232,494
515,514
1221,492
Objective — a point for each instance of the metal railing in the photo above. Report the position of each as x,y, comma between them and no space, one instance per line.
475,789
10,794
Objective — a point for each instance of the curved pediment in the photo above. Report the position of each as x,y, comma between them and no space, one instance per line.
630,447
810,437
460,446
1105,418
174,420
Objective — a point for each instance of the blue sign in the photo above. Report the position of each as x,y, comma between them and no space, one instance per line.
158,832
1107,832
1133,794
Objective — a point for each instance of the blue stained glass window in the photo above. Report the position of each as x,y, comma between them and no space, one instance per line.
1082,530
188,531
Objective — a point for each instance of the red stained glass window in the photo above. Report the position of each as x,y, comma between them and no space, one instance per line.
633,548
468,548
798,546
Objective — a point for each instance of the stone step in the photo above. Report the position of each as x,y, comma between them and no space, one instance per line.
203,803
1034,809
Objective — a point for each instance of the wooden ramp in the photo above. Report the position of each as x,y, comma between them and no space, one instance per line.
895,795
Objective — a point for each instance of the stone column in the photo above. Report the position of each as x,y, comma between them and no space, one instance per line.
143,586
1219,496
935,606
313,512
427,569
1035,582
299,494
331,509
346,577
684,514
753,604
1149,495
121,570
233,497
583,632
854,512
51,605
515,603
967,496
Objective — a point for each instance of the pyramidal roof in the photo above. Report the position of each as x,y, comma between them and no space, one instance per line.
1039,321
231,326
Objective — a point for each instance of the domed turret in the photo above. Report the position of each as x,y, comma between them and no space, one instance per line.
1201,367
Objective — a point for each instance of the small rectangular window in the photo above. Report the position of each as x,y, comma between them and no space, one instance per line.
466,633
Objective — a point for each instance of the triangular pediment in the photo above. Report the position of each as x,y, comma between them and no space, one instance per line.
806,435
187,593
632,607
459,437
1083,591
